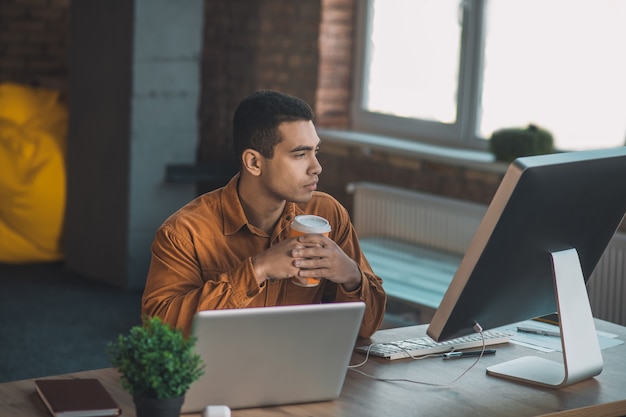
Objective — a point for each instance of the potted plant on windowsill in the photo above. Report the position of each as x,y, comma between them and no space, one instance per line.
157,365
511,143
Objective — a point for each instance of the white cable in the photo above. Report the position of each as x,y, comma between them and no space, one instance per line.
477,328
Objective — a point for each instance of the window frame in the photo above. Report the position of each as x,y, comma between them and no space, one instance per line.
462,133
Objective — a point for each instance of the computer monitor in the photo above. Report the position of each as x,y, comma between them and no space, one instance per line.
532,254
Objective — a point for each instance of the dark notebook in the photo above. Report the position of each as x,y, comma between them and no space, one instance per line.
76,397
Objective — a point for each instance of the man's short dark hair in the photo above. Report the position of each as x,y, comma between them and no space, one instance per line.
256,120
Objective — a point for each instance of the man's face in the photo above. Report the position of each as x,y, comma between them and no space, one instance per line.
292,173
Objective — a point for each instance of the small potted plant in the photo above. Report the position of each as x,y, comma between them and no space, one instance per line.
157,365
510,143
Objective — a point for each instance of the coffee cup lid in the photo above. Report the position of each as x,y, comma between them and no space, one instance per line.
308,223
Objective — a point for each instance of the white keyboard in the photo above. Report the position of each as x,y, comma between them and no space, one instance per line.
422,346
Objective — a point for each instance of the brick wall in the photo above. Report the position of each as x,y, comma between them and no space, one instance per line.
335,70
343,165
249,46
34,42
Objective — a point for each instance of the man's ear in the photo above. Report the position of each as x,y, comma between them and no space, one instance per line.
252,161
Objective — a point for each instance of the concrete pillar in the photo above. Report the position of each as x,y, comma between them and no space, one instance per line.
134,97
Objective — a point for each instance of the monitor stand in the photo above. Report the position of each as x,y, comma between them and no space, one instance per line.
582,358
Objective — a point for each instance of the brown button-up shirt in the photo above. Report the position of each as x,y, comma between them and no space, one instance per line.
201,260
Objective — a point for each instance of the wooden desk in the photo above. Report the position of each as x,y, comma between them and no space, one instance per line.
476,394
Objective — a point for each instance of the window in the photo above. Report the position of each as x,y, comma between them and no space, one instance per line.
452,72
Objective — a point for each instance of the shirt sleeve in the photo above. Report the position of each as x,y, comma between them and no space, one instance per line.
175,289
375,299
371,291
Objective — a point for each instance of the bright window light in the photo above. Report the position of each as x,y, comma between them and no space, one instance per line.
475,66
559,64
421,81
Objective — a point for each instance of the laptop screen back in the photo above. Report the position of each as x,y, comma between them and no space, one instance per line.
265,356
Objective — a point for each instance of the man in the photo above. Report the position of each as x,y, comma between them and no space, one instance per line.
230,248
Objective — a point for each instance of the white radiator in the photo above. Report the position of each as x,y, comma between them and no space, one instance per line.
445,224
448,224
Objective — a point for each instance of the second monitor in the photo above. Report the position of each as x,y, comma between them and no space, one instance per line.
537,245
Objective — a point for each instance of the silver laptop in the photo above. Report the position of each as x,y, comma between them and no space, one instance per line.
265,356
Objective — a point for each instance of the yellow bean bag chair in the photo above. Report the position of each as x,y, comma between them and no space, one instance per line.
33,129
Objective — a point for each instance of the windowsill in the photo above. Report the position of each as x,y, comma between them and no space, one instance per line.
481,160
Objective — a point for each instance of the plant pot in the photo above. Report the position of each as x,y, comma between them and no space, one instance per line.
154,407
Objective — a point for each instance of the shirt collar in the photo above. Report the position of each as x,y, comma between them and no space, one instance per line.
232,211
